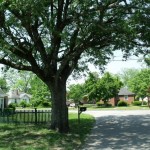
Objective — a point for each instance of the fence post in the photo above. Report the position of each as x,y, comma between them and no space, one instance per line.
35,115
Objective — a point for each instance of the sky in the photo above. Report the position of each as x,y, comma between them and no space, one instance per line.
115,66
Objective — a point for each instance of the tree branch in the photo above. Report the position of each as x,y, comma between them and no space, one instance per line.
14,65
32,31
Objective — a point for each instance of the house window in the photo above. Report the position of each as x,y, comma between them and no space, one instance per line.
126,97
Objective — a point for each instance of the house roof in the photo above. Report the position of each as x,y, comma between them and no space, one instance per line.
25,94
124,91
15,94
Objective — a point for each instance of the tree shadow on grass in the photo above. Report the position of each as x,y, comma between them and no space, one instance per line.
120,133
39,137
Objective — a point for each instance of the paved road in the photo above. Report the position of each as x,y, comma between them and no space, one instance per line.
119,130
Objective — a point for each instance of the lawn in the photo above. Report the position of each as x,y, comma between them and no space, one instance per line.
39,137
94,107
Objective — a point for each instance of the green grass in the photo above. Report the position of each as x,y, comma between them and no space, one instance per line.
94,107
32,137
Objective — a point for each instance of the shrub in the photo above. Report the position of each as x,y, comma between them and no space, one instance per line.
46,104
12,105
99,104
23,103
122,103
144,103
108,105
9,111
136,103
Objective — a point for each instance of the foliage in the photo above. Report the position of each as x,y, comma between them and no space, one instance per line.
81,91
46,103
85,99
3,84
147,60
100,104
137,103
23,103
106,87
126,75
18,79
90,84
122,103
12,105
96,88
9,111
140,83
76,92
40,92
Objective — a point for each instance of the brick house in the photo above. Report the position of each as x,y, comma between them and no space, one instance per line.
124,94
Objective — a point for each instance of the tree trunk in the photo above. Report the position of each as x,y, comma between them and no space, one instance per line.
148,101
59,116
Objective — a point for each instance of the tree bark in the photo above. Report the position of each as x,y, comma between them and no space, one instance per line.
59,114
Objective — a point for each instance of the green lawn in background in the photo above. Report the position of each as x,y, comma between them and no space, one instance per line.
39,137
95,107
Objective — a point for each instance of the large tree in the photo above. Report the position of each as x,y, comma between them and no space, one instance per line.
52,38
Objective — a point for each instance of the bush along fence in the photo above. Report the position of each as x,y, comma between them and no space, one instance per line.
25,116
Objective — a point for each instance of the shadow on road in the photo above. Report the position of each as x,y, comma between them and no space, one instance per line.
120,132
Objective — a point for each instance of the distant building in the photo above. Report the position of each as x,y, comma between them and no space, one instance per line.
14,96
124,94
3,99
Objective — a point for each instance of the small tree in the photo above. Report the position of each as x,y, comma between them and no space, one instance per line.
90,84
141,83
39,92
107,87
76,92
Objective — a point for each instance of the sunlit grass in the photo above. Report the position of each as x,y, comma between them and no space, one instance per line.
95,107
39,137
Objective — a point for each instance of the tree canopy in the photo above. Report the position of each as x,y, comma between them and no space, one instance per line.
106,87
147,60
54,38
96,88
35,33
127,74
3,84
76,92
140,84
39,91
18,79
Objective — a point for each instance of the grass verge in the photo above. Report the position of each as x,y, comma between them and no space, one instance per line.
95,107
32,137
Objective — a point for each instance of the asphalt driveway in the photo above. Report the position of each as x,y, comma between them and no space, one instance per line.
119,130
